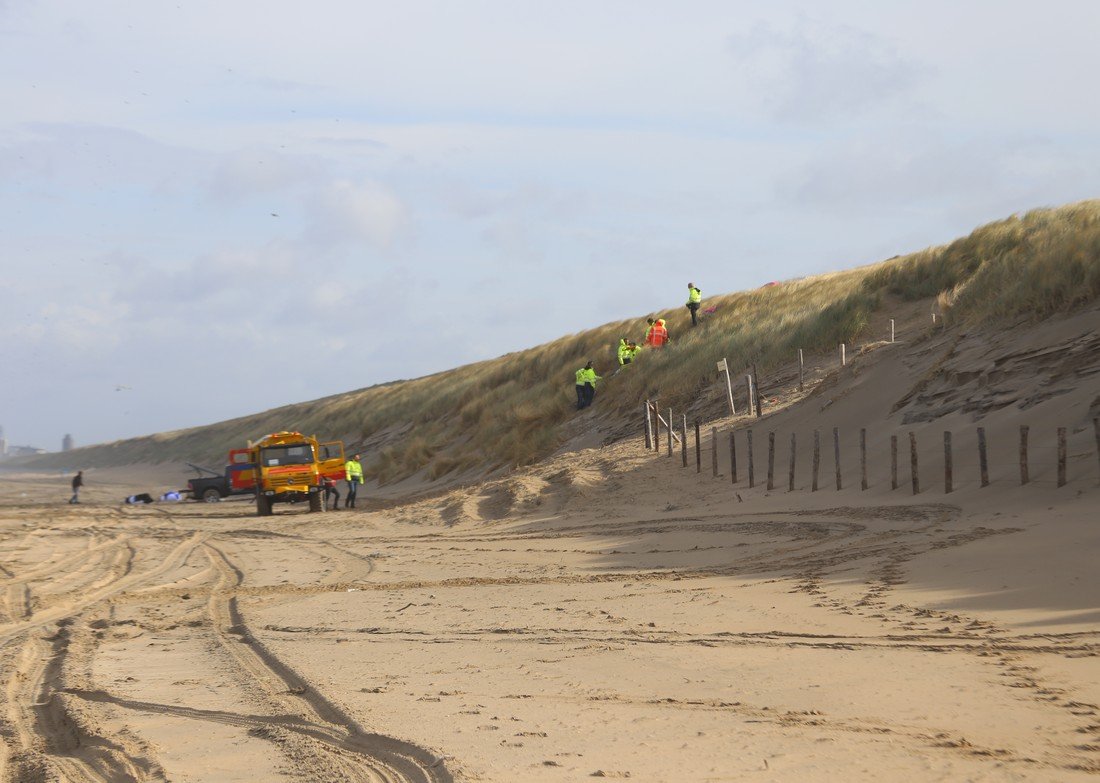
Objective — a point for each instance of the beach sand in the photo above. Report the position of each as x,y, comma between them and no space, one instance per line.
605,614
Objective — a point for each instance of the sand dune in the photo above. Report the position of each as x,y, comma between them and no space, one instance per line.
607,613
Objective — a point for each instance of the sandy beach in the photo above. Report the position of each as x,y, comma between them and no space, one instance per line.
603,615
606,613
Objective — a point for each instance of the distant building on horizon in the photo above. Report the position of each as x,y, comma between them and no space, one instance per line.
67,442
24,451
3,443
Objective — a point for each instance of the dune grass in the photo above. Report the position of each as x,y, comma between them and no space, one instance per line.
511,410
1042,262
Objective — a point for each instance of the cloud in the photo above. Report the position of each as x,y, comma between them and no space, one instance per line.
820,72
348,211
82,154
92,327
515,243
257,171
913,166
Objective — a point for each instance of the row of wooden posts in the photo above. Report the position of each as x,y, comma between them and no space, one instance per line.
755,401
753,387
654,420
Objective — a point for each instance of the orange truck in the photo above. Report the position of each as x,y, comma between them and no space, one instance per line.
287,467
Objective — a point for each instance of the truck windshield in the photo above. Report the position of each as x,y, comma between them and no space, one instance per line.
301,454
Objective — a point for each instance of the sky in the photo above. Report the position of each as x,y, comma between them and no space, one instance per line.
215,208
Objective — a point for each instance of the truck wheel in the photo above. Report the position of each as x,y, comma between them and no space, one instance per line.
316,502
211,495
263,506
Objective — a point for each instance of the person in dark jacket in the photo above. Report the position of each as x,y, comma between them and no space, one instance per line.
78,482
329,483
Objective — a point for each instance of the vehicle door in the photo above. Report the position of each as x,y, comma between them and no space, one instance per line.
331,458
242,471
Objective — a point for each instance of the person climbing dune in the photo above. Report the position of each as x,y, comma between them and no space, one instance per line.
695,297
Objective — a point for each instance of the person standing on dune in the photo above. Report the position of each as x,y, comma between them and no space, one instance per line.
657,336
695,296
353,472
590,379
586,385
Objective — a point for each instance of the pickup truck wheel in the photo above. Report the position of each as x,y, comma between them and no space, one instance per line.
211,495
316,502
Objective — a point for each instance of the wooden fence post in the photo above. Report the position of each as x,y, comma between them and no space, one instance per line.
801,369
771,461
1024,478
748,390
729,385
863,459
948,465
1061,456
670,429
983,464
891,330
913,462
756,389
684,442
836,454
714,451
733,459
698,450
648,428
893,462
843,356
752,474
817,460
790,474
656,426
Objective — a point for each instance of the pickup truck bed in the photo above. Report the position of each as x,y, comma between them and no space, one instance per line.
237,479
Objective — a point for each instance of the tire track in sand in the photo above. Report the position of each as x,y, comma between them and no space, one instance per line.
319,738
56,736
46,736
102,589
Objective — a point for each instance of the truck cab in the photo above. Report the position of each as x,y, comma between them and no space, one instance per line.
238,478
288,467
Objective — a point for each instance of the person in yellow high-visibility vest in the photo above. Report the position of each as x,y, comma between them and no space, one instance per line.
353,472
590,379
579,374
695,296
586,385
624,354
